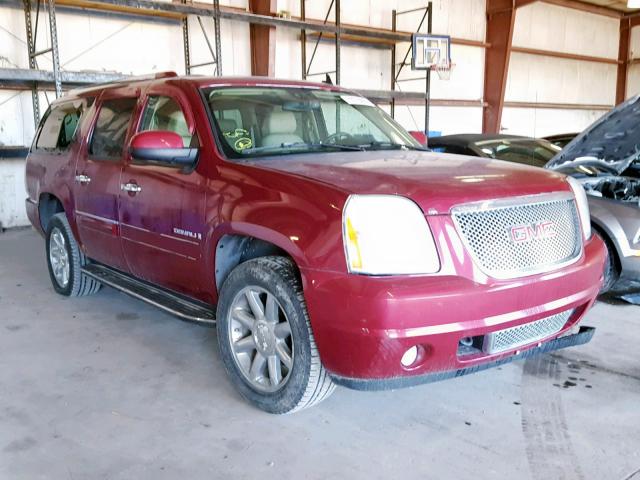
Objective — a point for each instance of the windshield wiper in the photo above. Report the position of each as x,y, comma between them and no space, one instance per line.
393,146
298,145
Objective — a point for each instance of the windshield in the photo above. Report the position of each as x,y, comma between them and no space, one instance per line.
519,150
257,121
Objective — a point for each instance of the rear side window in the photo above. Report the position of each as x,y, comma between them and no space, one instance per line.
110,131
60,125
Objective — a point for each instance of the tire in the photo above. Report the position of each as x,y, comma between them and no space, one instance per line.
611,266
306,382
60,238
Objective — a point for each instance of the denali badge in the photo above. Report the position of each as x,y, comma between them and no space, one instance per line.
532,232
187,233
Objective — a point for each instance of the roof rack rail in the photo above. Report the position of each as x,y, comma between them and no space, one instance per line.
124,79
150,76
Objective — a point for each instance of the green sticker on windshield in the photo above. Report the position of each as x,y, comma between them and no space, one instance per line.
242,144
238,132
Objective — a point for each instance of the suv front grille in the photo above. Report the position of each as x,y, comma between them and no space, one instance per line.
516,237
515,337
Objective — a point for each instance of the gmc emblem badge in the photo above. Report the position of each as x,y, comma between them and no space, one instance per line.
533,232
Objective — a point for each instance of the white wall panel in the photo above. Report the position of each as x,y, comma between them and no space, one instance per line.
633,74
446,120
12,193
634,45
633,80
466,81
550,27
13,48
542,122
458,18
534,78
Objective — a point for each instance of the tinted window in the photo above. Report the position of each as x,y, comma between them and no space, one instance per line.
59,126
451,149
526,151
111,128
164,113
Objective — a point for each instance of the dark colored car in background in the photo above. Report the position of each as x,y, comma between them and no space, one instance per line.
561,139
604,158
512,148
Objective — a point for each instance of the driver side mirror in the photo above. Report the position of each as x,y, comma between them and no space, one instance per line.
162,147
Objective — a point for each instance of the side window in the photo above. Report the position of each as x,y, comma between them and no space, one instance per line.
164,113
59,127
111,128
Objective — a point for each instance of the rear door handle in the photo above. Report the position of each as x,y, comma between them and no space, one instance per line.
131,187
83,179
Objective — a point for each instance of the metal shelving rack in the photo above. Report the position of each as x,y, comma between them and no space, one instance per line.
32,36
396,68
216,51
36,79
306,68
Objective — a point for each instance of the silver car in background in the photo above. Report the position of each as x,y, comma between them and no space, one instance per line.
605,158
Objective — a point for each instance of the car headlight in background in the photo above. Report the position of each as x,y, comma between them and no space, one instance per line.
583,206
387,235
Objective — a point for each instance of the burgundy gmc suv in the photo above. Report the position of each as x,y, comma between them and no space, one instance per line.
326,244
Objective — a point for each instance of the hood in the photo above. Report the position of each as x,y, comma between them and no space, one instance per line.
434,181
612,141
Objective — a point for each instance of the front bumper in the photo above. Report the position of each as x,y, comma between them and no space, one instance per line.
364,325
584,335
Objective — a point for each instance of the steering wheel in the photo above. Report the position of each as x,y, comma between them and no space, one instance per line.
334,137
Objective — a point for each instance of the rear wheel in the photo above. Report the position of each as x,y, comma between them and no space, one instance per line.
265,337
65,260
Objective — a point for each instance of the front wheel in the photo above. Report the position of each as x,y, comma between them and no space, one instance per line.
266,341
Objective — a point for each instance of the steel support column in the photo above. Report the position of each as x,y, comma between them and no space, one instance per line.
623,59
303,40
216,30
427,90
53,29
263,40
32,59
337,13
500,20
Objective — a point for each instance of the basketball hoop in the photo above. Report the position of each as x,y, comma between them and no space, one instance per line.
443,69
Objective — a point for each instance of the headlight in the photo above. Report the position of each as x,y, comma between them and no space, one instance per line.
387,235
583,206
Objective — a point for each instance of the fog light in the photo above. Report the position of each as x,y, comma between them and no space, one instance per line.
466,341
410,356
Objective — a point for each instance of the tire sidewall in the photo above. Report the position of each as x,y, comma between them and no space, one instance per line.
56,222
611,272
252,273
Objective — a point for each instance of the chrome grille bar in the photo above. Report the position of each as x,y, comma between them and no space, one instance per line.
510,238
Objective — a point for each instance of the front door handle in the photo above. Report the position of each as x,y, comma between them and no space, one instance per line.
83,179
131,187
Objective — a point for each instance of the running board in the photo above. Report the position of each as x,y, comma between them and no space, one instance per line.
190,311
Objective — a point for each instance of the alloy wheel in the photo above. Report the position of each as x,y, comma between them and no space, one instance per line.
59,257
261,340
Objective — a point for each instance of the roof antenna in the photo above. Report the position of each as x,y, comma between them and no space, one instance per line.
327,79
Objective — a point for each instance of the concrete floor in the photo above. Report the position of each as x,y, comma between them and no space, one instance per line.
106,387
